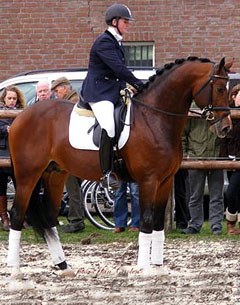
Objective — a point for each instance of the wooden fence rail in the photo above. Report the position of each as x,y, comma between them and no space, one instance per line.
186,164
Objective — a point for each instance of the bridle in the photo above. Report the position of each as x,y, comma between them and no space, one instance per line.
207,111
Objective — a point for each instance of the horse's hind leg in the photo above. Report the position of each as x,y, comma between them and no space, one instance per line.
53,186
56,251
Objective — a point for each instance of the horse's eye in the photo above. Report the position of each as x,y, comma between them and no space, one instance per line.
221,90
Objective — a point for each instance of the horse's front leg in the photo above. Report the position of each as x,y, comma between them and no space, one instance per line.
150,241
153,203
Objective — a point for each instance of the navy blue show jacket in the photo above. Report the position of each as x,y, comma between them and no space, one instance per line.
107,72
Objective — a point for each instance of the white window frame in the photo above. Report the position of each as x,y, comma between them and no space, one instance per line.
137,47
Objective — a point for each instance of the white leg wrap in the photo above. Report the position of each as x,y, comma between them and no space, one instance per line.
13,258
238,217
144,244
54,245
231,217
158,238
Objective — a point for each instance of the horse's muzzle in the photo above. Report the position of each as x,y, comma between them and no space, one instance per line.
222,127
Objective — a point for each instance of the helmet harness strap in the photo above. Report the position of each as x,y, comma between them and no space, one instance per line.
116,25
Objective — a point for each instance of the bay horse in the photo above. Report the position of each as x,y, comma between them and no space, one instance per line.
40,148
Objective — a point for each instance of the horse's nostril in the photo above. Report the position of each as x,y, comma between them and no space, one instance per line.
226,130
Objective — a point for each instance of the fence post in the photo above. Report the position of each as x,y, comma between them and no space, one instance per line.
169,212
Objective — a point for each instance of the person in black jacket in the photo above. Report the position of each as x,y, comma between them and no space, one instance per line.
11,98
107,75
230,148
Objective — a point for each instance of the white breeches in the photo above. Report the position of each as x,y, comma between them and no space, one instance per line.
104,113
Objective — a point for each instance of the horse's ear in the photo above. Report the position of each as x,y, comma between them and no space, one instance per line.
221,64
228,65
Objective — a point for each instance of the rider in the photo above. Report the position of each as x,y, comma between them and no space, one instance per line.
107,75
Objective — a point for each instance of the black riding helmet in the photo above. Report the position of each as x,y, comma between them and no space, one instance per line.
117,11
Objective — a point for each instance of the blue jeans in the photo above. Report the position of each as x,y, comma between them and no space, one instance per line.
215,182
121,205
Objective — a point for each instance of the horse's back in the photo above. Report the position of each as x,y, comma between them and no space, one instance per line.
39,115
41,110
32,128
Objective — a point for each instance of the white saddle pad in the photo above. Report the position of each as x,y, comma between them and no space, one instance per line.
79,126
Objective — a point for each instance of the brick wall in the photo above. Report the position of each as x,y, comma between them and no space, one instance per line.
49,34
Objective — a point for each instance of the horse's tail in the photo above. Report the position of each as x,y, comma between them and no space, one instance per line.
38,211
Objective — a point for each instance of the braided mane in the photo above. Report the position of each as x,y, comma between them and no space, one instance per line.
171,65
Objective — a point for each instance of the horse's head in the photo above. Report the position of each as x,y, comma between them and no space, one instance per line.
212,98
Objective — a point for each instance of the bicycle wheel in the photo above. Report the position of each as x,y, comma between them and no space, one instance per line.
104,204
10,189
90,207
84,185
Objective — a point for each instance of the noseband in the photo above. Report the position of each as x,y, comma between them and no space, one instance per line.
207,111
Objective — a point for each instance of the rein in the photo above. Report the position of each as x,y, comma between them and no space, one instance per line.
207,111
134,99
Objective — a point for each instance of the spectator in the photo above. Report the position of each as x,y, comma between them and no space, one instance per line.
230,147
120,214
181,194
200,143
107,75
11,98
43,91
63,89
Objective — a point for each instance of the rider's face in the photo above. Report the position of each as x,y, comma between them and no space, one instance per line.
123,25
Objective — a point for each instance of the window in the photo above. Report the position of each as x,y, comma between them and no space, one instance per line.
139,54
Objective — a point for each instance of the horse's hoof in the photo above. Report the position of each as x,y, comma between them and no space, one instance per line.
132,271
20,285
17,274
158,270
68,272
147,271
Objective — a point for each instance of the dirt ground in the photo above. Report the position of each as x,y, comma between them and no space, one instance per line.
194,273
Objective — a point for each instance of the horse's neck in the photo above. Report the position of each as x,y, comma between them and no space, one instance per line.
174,90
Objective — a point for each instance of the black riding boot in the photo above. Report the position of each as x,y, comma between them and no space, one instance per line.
106,161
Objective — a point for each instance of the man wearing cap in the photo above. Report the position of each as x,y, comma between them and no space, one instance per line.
63,90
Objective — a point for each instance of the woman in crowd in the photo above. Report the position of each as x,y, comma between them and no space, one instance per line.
11,98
